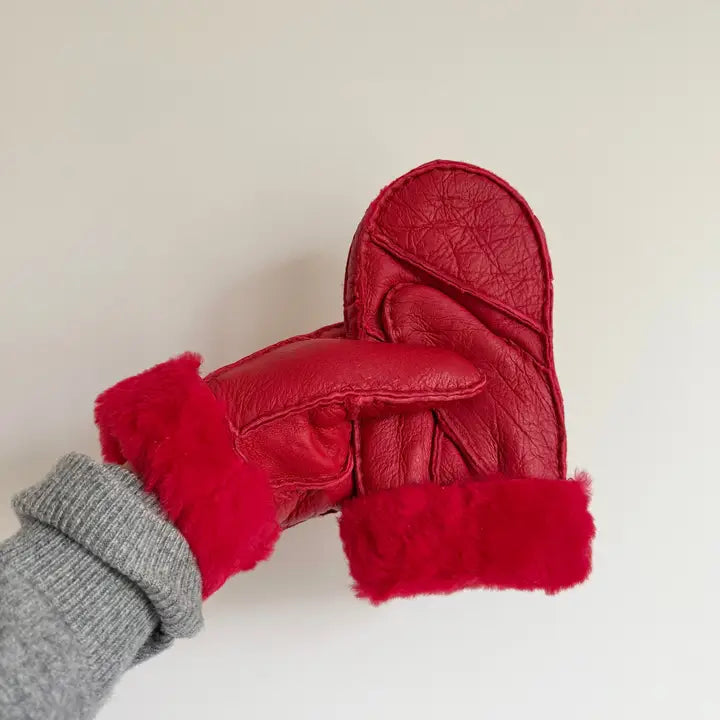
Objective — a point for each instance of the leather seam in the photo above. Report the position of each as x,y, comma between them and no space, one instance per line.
289,482
459,393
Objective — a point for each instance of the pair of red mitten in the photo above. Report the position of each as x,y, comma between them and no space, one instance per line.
431,417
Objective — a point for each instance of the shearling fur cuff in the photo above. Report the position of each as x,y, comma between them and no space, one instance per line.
169,426
527,534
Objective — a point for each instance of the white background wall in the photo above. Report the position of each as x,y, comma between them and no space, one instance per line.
187,175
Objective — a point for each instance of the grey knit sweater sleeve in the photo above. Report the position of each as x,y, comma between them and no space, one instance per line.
95,580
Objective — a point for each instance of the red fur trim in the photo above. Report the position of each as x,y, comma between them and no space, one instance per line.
527,534
170,427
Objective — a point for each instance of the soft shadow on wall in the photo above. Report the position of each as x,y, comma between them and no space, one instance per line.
289,298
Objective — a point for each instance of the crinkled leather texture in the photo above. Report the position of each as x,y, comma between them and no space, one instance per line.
451,256
292,408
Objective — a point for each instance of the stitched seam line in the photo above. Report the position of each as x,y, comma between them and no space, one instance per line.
321,400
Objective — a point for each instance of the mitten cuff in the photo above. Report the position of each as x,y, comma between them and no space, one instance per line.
527,534
169,426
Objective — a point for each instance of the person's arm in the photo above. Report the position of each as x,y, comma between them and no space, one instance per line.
95,580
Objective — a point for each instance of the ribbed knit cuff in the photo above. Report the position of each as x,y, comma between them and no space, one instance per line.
98,546
109,616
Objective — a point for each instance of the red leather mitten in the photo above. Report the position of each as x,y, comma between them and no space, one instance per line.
267,441
471,494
